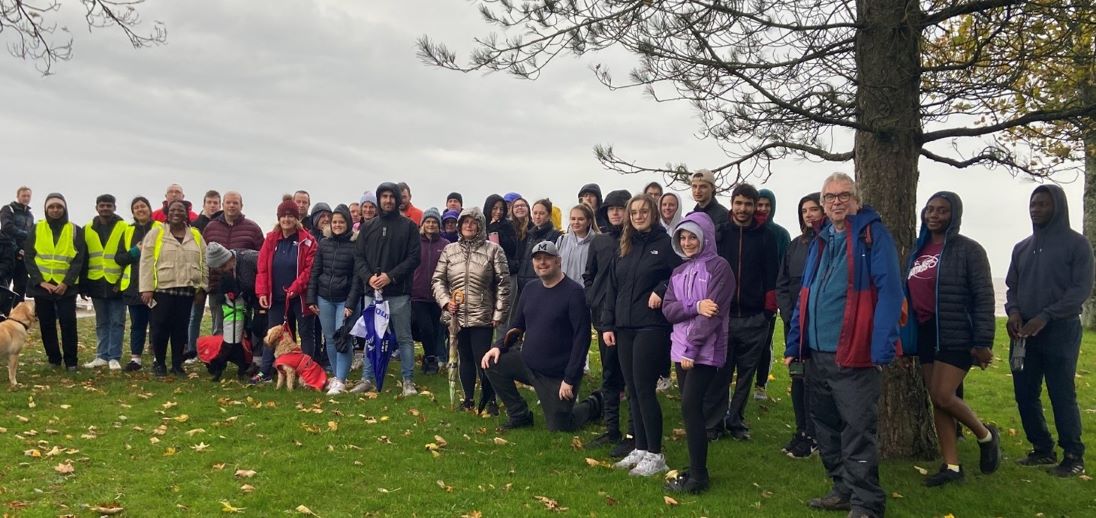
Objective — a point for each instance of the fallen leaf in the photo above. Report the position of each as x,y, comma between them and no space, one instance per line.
921,470
56,450
219,466
65,407
247,488
1086,478
332,426
669,501
593,463
384,418
153,440
896,494
444,487
552,505
169,452
245,473
432,447
576,443
499,441
169,405
22,419
472,514
65,468
414,412
1012,432
106,509
678,434
304,510
33,452
200,447
195,431
441,441
227,507
949,515
181,418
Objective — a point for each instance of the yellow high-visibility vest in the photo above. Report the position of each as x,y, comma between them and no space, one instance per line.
164,231
101,262
53,259
127,273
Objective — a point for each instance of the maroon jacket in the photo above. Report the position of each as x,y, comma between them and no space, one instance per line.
244,235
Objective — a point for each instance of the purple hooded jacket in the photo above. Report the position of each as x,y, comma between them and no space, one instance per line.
705,276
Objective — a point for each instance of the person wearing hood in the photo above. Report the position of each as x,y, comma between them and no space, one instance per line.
479,268
540,229
764,213
1049,277
128,257
449,229
811,217
173,280
590,195
499,230
284,273
574,246
702,183
211,208
669,211
386,256
54,255
950,291
697,301
329,289
16,223
751,252
410,211
101,282
604,247
454,202
368,203
846,323
174,192
632,316
425,314
321,221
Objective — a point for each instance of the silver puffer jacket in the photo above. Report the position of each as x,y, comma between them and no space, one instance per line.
478,267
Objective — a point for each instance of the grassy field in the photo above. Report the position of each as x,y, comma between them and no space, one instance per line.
189,447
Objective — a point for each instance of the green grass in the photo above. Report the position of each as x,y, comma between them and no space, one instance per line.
353,456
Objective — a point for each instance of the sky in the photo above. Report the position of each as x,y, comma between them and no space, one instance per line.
329,96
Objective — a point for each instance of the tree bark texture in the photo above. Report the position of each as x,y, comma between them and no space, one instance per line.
886,156
1087,90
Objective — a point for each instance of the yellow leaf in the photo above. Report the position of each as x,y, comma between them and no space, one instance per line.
169,405
195,431
447,488
678,434
247,488
432,447
227,507
200,447
332,426
550,504
182,418
499,441
669,501
576,443
245,473
414,412
219,466
949,515
384,418
153,440
472,514
64,468
56,450
772,378
304,510
672,474
106,509
896,494
65,407
441,441
22,419
169,452
593,463
921,470
34,452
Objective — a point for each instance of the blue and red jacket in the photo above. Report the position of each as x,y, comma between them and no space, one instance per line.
875,303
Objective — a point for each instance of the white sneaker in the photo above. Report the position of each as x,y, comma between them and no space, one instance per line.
336,387
190,361
98,362
632,460
114,365
409,388
652,464
362,386
663,385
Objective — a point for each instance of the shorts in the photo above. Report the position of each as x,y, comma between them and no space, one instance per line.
926,349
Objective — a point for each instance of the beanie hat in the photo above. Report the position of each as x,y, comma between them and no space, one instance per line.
455,196
432,212
449,214
217,255
288,208
57,196
510,197
368,197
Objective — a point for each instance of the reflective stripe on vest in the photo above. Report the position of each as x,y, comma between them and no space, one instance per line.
53,259
127,273
101,262
164,232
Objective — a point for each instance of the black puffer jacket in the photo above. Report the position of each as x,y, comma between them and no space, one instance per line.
632,279
508,240
16,223
789,279
603,248
964,285
333,268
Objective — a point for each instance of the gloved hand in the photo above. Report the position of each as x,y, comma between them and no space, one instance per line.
135,252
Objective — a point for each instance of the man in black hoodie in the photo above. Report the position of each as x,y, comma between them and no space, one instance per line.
750,249
702,183
385,257
101,282
16,223
54,257
603,249
1050,276
590,195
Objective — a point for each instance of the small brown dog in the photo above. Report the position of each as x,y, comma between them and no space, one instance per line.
13,335
291,362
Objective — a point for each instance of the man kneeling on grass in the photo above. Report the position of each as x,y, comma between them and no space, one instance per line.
553,315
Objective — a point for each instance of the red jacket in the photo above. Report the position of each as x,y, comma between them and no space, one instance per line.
413,213
161,214
306,253
308,370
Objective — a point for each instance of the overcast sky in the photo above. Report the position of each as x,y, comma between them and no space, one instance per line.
329,96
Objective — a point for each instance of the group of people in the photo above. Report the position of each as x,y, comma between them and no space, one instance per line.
698,291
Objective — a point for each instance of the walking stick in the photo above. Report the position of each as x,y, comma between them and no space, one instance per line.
454,330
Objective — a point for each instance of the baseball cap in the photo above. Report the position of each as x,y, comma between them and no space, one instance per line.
545,247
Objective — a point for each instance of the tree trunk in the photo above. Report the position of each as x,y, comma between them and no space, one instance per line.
1087,90
888,99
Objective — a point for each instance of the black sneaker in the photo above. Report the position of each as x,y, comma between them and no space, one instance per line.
178,371
944,476
491,408
684,483
739,435
792,444
623,448
159,370
990,452
132,366
1071,466
603,440
1035,458
831,502
596,403
715,435
525,421
467,405
804,449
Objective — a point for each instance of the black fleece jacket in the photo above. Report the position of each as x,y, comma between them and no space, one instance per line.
751,251
632,279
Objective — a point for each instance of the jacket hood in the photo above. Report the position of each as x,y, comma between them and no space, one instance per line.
677,217
318,208
59,196
815,197
768,195
345,212
395,190
617,198
477,214
956,214
700,224
1059,222
592,188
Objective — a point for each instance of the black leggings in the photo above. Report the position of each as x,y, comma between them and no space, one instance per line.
170,320
694,384
472,344
644,354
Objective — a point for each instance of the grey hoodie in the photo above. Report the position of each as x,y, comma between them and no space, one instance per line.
1051,272
672,224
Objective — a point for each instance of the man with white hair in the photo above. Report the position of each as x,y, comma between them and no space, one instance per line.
846,323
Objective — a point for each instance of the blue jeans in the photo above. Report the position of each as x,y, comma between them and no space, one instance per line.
399,307
110,325
331,319
138,328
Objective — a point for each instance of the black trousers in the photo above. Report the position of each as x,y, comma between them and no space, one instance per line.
643,356
560,415
800,396
426,327
844,404
51,311
1051,356
764,364
472,344
694,384
746,339
170,321
612,386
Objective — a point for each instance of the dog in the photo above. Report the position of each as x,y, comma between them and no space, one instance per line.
13,335
291,363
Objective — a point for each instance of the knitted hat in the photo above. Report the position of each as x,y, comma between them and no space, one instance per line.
368,197
217,255
455,196
57,196
288,208
510,197
432,212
